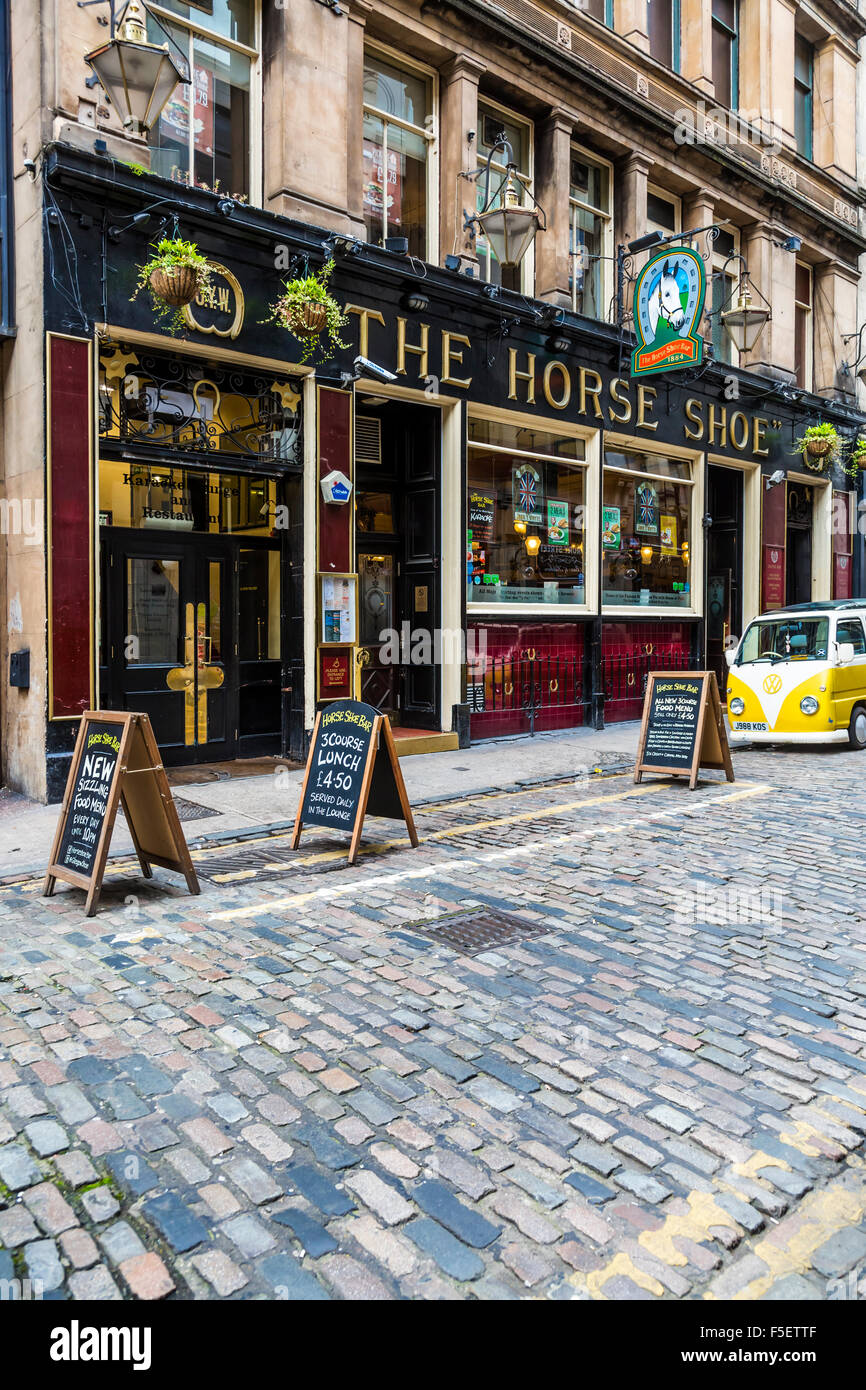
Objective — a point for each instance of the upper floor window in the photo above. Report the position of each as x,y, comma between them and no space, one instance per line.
203,136
726,19
663,24
494,122
602,10
721,294
803,326
663,212
398,134
804,66
590,234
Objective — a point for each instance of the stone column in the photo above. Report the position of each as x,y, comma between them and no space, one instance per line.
631,180
772,272
767,67
312,115
458,154
834,313
630,19
833,127
553,178
696,45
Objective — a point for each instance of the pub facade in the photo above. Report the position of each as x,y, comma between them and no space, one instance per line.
472,515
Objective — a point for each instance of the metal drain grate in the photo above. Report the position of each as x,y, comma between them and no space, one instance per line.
191,810
480,930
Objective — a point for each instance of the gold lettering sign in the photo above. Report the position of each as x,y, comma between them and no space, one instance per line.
219,309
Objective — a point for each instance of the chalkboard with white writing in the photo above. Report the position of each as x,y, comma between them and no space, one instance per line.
90,797
352,771
336,765
683,728
672,729
116,762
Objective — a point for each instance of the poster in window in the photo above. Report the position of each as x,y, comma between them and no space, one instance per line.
557,523
376,195
610,528
527,494
174,121
668,535
481,512
646,510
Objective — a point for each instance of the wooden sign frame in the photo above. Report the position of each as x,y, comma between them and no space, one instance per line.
381,726
711,737
145,801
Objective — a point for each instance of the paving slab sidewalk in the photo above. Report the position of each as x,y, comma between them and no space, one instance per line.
261,804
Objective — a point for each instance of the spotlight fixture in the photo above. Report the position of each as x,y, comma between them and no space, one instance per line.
644,242
558,343
343,246
416,301
452,262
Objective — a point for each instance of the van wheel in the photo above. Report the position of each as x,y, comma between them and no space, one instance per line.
857,728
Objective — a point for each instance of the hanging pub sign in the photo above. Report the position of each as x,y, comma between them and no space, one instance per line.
527,494
346,779
116,762
668,305
682,729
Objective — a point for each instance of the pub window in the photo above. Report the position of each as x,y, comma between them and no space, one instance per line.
526,494
803,326
721,293
726,18
663,24
204,135
590,234
646,528
398,138
804,69
493,122
663,211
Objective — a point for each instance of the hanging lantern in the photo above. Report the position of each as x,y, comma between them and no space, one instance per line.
520,528
507,223
745,323
646,553
532,544
138,77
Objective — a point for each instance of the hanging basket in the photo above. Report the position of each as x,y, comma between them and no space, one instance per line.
177,286
818,448
305,320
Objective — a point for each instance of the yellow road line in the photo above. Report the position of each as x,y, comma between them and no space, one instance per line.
380,847
446,868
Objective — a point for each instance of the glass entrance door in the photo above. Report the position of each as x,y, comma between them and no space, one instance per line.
167,640
377,623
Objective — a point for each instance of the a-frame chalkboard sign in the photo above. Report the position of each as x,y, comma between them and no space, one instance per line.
683,728
352,772
116,761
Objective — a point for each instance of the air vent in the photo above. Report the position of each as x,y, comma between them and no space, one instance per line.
368,439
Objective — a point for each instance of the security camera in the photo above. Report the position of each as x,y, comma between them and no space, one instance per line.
364,367
775,478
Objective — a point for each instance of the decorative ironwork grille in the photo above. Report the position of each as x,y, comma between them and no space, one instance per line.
159,401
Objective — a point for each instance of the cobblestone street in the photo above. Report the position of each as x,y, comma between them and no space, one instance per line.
651,1085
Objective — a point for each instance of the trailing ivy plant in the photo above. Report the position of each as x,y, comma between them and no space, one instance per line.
856,460
168,257
310,312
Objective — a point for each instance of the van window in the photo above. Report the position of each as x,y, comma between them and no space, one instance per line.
852,631
786,639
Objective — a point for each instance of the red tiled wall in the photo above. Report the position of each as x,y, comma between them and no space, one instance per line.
629,651
558,649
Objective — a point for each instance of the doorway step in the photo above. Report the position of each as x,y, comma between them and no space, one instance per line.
411,741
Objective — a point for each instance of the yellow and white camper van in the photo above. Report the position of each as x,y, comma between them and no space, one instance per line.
799,676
